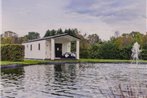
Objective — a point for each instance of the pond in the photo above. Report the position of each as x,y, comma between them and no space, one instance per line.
87,80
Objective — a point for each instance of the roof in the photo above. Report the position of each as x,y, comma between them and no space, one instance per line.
49,37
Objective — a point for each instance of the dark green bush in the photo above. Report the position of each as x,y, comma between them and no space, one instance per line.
109,50
144,54
84,53
94,51
12,52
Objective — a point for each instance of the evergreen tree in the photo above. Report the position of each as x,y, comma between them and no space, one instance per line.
59,31
48,33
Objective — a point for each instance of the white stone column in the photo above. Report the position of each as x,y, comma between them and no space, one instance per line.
77,49
52,49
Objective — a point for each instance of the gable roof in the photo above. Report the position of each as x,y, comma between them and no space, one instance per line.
54,36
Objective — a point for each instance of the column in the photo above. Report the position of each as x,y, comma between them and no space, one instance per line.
77,49
52,49
69,47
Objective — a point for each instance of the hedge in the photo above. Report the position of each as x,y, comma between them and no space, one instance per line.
12,52
144,54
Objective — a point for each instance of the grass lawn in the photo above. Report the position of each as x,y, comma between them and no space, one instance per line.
22,62
27,62
109,61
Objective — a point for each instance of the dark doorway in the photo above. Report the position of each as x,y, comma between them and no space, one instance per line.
58,50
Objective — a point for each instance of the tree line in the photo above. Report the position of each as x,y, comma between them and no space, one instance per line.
91,46
117,47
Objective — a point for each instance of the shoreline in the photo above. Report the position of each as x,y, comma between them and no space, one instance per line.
8,64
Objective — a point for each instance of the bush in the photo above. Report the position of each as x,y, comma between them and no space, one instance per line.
144,54
84,53
12,52
94,51
109,50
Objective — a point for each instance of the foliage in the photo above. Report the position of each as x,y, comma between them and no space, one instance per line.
84,53
84,46
10,40
144,40
60,31
94,51
144,54
93,38
12,52
32,35
91,46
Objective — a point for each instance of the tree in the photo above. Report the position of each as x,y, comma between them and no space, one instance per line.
59,31
144,39
53,32
93,39
116,34
22,39
84,46
32,35
137,37
48,33
94,51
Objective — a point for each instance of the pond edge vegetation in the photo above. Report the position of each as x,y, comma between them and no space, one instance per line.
8,64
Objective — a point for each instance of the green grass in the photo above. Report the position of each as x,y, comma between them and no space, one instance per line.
27,62
22,62
109,61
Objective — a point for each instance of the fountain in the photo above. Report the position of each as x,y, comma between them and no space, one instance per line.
135,86
135,52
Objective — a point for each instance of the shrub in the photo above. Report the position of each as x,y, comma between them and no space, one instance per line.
108,51
94,51
144,54
84,53
12,52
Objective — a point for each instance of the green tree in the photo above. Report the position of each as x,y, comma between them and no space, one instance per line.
144,44
59,31
48,33
10,40
53,32
93,39
94,51
108,50
32,35
84,46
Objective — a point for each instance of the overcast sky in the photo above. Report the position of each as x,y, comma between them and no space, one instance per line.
103,17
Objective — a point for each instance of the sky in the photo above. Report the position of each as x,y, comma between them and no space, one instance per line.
102,17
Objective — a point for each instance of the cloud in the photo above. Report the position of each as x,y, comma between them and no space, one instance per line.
109,10
111,15
103,17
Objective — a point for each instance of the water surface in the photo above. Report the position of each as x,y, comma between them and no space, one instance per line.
74,81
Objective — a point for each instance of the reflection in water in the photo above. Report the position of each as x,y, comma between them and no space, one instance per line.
11,79
68,81
65,72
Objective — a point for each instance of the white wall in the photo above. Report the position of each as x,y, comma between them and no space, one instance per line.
48,49
35,53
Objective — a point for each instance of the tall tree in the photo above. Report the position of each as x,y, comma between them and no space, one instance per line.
59,31
33,35
48,33
93,39
9,37
53,32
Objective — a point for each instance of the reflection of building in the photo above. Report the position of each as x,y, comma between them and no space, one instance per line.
9,34
70,69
